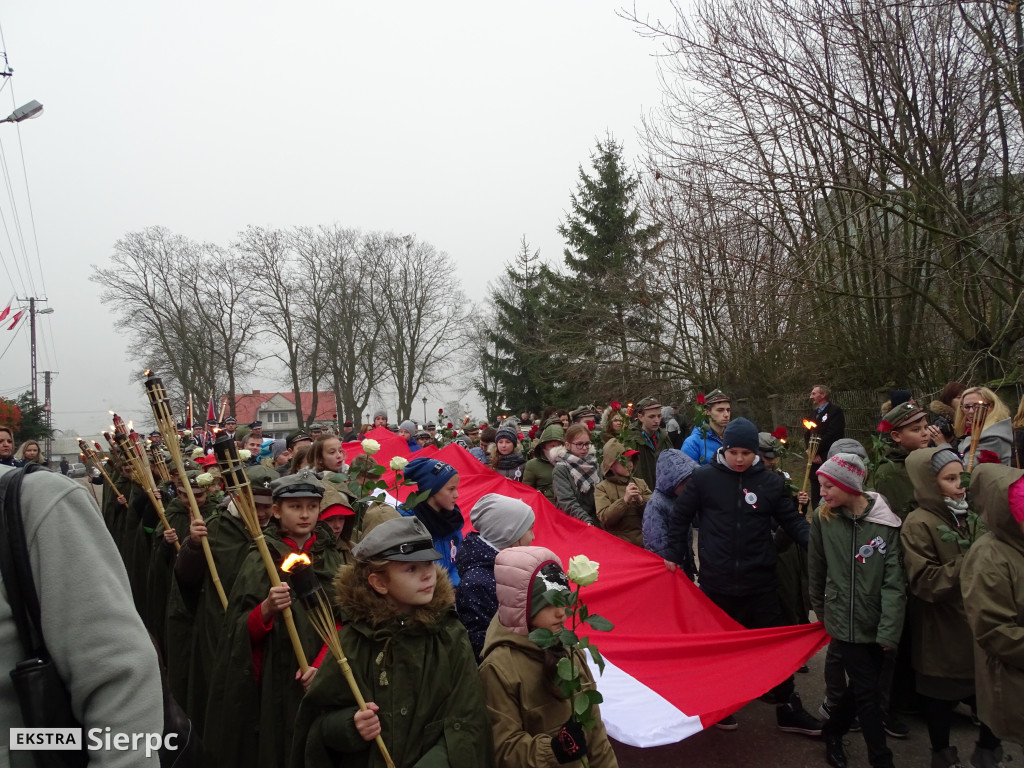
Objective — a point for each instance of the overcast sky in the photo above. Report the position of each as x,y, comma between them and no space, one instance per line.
463,123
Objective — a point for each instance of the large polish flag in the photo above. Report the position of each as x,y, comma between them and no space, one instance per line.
674,663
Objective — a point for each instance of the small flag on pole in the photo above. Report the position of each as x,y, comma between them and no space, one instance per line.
17,317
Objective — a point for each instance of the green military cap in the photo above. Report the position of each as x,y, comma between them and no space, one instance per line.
296,437
582,412
901,416
716,396
304,484
193,476
404,539
261,481
646,404
767,445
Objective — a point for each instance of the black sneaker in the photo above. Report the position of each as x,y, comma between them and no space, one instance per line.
793,718
895,727
771,698
727,723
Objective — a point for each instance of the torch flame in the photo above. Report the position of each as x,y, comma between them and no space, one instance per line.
294,559
110,412
147,372
809,424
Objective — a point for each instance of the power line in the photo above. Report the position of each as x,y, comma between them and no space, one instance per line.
17,330
28,190
15,390
17,220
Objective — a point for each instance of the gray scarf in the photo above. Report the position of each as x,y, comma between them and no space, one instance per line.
583,471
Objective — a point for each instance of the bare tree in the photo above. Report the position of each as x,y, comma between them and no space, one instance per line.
421,312
350,333
875,150
170,295
269,253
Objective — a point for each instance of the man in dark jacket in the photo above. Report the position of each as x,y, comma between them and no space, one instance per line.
831,427
736,499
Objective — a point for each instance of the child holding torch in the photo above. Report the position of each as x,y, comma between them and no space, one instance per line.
257,680
411,659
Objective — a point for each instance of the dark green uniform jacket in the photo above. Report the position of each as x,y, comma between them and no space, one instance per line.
418,668
892,481
646,462
161,568
991,579
201,622
537,472
249,723
861,595
942,642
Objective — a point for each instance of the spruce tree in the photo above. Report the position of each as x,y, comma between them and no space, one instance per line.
517,366
600,321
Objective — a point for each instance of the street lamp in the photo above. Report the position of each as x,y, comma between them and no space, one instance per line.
424,411
26,112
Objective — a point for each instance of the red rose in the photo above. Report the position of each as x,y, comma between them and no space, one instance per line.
591,425
615,405
335,416
884,426
780,433
449,425
700,399
440,411
988,457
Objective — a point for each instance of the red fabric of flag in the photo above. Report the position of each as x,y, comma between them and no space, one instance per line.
17,317
5,313
680,663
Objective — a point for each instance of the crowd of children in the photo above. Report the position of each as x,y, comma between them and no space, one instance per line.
436,626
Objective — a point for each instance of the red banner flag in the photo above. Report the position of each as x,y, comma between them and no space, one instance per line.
5,313
17,317
671,671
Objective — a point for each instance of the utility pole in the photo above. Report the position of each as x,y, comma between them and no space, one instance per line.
48,411
32,312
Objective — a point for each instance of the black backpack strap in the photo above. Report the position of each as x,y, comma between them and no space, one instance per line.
15,566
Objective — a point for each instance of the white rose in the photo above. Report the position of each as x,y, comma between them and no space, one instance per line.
582,570
204,480
244,455
197,453
370,447
398,463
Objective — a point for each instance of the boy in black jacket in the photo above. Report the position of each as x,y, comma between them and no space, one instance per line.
735,498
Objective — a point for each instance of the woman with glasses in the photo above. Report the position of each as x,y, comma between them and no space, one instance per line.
995,427
576,475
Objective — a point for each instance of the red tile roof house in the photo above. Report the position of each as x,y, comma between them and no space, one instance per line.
277,410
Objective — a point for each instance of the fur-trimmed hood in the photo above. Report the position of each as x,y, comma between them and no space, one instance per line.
360,603
939,408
